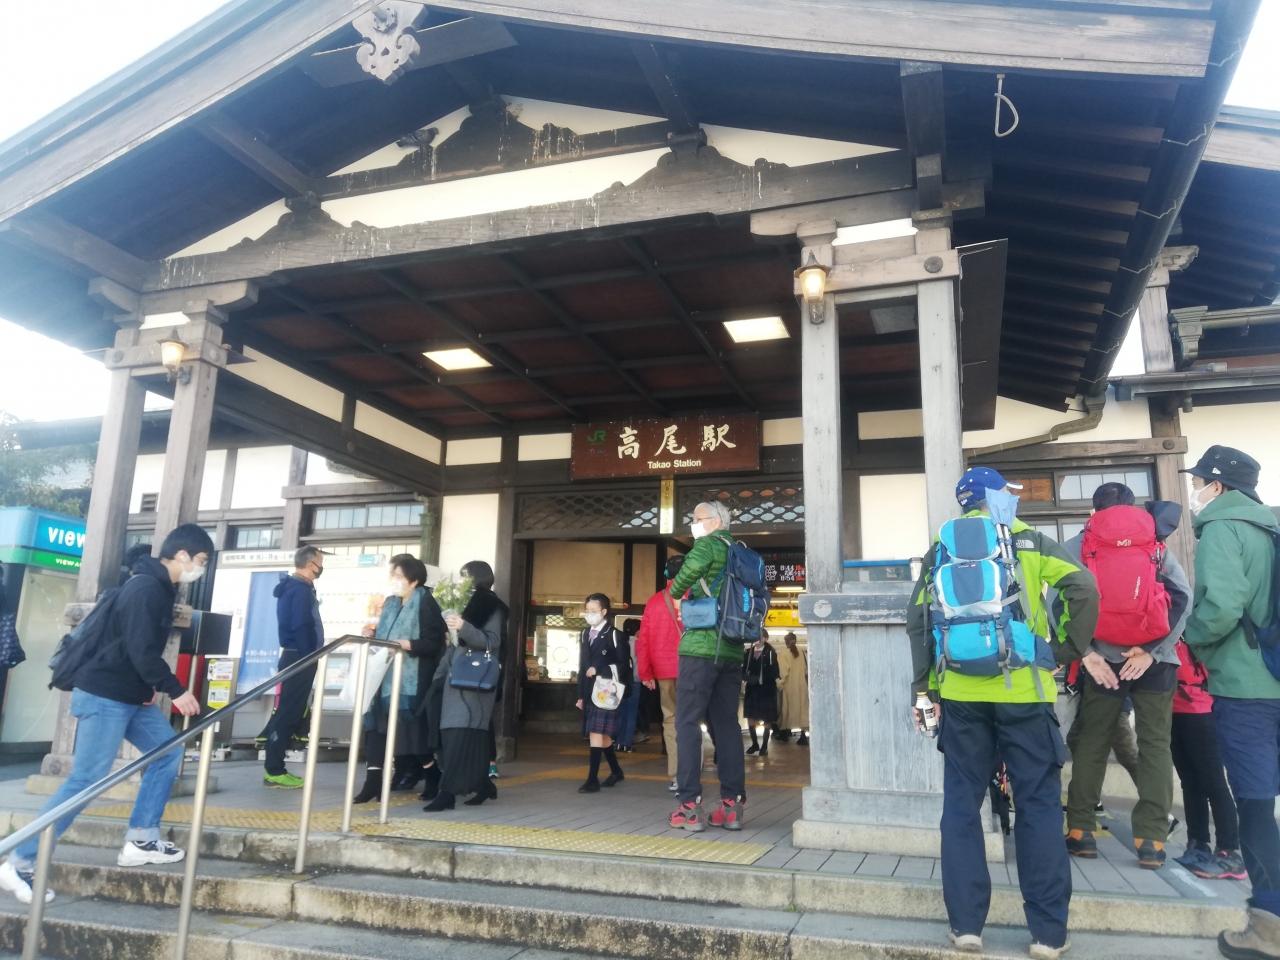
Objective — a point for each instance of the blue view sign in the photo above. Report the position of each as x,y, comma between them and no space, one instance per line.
58,534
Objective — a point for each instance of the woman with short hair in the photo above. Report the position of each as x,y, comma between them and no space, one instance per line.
466,714
410,617
603,652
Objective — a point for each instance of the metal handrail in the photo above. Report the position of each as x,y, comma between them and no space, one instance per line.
43,825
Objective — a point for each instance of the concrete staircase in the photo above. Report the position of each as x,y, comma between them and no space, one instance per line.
386,898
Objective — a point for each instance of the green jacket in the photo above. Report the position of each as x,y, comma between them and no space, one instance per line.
705,562
1233,577
1044,564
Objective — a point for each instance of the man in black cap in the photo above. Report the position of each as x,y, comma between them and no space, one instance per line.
1234,560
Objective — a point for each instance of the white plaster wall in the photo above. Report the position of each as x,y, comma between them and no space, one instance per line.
1250,427
747,146
468,530
890,424
215,464
174,319
318,473
375,423
779,433
461,453
147,472
895,524
545,446
1016,420
250,228
287,382
261,474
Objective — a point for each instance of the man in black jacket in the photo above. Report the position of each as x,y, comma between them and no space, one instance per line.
113,701
301,632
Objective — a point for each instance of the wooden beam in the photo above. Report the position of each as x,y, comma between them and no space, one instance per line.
255,155
57,240
638,252
689,184
1257,149
232,52
924,109
493,353
371,345
673,99
984,35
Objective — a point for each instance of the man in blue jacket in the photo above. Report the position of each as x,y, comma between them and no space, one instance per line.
301,632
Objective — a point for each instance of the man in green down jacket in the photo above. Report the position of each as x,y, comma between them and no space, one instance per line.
1234,562
708,685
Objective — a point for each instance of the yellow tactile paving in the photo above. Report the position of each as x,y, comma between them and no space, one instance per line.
570,841
488,834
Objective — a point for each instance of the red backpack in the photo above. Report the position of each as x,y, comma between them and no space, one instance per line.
1121,551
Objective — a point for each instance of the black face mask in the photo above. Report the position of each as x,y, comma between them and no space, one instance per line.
318,572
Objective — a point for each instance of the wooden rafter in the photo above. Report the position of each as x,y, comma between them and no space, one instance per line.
673,99
255,155
55,239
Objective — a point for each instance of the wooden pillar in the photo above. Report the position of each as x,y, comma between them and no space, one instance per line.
820,408
939,381
106,521
509,584
189,423
291,528
1166,421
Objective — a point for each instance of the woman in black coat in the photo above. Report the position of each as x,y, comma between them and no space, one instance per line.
603,652
761,673
410,617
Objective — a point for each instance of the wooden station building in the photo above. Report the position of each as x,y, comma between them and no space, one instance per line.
541,266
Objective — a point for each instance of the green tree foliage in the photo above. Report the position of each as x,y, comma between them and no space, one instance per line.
32,478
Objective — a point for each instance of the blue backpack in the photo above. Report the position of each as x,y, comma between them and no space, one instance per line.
736,602
978,623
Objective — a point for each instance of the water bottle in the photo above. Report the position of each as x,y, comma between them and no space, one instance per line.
928,714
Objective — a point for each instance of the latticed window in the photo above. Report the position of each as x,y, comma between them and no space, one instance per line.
589,511
754,504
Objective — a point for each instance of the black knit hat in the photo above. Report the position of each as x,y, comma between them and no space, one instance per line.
1233,468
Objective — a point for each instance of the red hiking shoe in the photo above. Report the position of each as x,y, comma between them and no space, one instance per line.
687,816
728,815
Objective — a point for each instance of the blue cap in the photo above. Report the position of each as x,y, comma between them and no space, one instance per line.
975,483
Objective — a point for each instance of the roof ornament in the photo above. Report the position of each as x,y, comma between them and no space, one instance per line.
389,43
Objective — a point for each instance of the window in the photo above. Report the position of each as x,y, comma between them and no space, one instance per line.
136,537
148,504
1057,502
257,538
375,515
1079,487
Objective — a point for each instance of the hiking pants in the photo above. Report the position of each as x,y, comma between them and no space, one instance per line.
295,693
1124,742
1025,735
710,689
1204,782
1249,739
1100,710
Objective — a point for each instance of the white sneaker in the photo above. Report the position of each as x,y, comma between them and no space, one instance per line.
135,853
968,942
674,786
1040,951
18,882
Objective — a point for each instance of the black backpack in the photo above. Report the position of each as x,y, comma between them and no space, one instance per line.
85,639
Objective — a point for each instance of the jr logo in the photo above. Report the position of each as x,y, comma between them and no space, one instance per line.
596,437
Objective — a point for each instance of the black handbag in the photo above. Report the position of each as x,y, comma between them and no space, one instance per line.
474,670
11,652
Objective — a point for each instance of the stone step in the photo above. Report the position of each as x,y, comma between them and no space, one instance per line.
266,857
377,917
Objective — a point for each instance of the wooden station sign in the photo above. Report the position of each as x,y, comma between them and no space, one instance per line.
660,448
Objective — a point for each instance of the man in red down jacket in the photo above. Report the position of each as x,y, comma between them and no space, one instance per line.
1204,782
657,660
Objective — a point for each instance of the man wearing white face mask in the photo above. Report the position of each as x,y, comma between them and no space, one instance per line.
1234,560
113,700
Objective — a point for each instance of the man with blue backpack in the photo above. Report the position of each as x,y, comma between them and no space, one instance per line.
1233,632
723,613
983,653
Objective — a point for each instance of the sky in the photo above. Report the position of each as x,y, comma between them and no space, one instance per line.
110,34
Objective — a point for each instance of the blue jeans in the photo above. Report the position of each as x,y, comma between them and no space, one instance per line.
974,737
102,726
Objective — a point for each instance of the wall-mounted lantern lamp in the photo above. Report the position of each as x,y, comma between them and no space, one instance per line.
172,354
813,287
